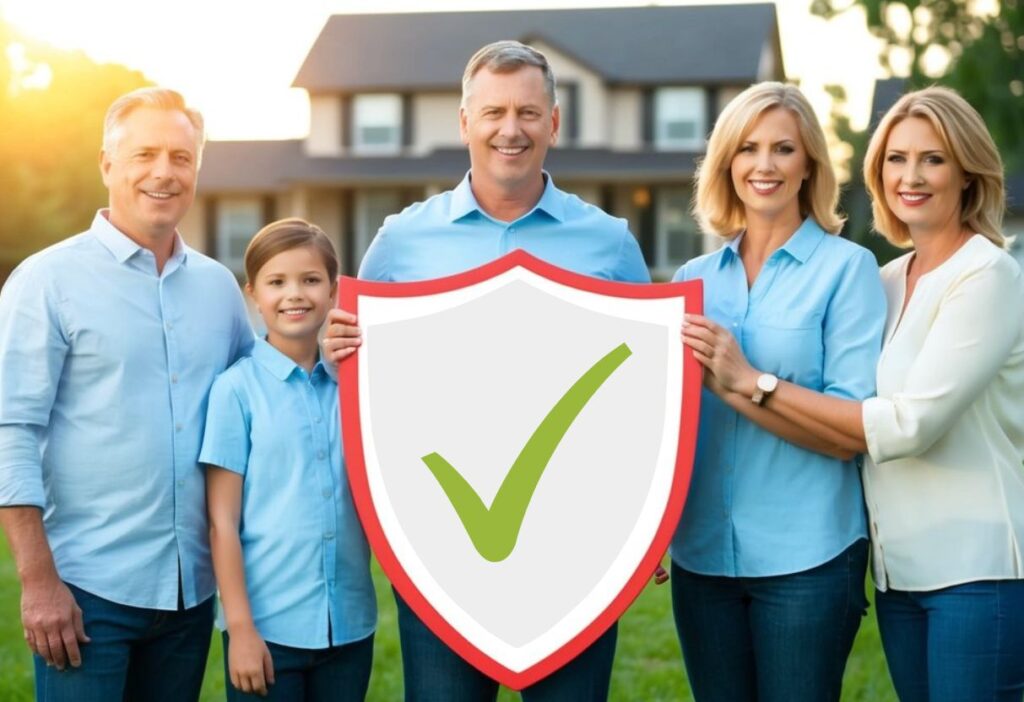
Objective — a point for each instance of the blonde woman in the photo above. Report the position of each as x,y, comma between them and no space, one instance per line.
769,559
944,483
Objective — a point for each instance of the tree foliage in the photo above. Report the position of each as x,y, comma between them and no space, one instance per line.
52,104
975,47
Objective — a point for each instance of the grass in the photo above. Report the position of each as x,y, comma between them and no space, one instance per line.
648,665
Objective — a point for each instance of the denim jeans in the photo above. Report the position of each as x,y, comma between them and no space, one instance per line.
335,674
782,638
964,642
135,655
434,673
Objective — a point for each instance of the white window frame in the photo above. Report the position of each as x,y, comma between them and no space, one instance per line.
238,219
381,112
372,206
677,110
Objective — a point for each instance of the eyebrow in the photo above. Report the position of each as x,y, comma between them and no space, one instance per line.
926,153
774,143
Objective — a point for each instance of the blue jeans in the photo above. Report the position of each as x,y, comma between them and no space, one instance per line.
964,642
434,673
335,674
783,638
149,655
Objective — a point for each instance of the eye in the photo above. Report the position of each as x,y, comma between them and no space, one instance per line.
894,158
934,159
183,159
313,280
786,149
275,282
746,148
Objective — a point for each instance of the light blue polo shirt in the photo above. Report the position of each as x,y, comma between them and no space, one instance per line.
449,234
759,505
306,559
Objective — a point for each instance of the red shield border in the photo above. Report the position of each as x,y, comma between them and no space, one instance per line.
349,291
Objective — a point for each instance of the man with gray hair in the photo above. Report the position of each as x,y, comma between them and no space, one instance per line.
109,343
508,119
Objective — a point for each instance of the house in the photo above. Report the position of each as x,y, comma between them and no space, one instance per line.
639,90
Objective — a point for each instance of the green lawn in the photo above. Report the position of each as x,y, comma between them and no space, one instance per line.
648,665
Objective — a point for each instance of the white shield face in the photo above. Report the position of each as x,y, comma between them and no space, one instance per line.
569,398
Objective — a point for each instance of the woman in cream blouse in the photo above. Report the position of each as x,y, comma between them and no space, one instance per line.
944,481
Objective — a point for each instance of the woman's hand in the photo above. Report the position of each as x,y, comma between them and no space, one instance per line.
716,349
249,663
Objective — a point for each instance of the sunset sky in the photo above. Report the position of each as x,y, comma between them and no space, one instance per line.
236,60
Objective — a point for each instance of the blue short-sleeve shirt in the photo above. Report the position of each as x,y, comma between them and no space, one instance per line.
306,558
759,505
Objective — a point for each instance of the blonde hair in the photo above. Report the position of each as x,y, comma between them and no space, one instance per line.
159,98
966,138
716,204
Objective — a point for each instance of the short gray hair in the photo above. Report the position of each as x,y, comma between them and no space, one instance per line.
507,57
159,98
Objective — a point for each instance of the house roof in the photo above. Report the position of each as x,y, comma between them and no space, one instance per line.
634,45
270,166
887,92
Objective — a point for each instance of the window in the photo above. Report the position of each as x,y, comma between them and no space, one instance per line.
677,237
371,208
679,118
237,220
377,124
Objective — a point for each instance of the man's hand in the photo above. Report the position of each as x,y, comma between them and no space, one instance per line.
249,663
52,621
342,336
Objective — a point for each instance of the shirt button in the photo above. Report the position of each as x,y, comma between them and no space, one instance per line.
321,455
174,378
328,535
181,483
317,420
170,326
327,492
178,427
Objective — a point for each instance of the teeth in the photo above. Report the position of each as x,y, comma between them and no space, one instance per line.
296,312
158,196
916,197
510,150
765,185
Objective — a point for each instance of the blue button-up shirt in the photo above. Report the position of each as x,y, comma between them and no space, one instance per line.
759,505
105,368
449,233
307,564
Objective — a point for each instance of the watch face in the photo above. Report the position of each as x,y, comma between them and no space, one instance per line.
766,382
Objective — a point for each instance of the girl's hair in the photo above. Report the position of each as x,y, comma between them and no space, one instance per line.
286,234
966,138
716,204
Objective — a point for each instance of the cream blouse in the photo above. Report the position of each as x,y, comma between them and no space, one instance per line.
944,483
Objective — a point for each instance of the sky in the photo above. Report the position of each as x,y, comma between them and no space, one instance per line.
236,60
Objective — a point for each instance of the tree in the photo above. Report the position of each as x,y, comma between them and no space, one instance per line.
956,43
52,104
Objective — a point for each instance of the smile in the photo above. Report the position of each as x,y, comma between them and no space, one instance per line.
765,187
510,150
912,199
158,195
296,311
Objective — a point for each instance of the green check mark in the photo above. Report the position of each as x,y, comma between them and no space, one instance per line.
494,530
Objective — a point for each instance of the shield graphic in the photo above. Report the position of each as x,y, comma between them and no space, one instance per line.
519,441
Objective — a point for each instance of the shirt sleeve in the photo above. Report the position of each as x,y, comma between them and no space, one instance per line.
376,263
33,346
244,335
973,333
631,266
226,439
852,330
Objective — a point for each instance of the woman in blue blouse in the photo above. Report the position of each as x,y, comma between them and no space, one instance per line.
769,559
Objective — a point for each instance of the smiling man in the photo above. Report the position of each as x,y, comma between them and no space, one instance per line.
509,118
109,343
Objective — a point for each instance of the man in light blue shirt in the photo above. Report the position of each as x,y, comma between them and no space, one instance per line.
508,119
109,343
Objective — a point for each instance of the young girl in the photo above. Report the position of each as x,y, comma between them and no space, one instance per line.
292,564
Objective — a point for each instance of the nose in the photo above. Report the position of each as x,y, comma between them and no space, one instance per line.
509,125
912,173
765,163
162,165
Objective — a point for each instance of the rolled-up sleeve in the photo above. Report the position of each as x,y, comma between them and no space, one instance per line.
965,348
852,330
33,347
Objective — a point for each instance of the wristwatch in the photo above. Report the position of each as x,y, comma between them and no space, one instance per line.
766,384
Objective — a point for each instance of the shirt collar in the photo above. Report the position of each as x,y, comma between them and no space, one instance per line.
463,202
799,246
279,365
123,247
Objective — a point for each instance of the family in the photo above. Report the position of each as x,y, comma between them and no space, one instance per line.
153,451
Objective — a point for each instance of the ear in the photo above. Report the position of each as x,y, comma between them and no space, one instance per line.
251,293
105,164
464,126
556,122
